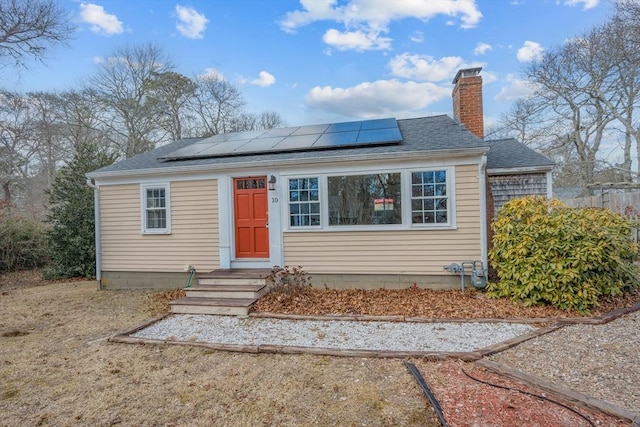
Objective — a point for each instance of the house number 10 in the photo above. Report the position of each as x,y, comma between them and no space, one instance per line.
274,200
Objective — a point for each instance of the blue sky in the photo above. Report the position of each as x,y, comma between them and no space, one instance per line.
318,61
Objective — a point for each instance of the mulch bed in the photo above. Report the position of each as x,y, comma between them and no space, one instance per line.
419,303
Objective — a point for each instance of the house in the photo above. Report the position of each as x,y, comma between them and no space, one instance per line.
382,203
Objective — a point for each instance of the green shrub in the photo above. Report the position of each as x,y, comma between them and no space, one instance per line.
71,216
545,252
22,244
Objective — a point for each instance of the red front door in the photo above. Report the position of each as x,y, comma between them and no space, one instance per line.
251,216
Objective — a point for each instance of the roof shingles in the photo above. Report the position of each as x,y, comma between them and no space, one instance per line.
420,135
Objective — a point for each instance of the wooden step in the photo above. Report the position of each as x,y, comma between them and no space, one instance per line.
227,306
236,281
239,276
227,291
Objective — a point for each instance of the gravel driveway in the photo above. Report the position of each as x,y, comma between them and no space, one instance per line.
602,361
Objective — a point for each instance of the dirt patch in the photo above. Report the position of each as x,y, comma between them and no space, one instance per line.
418,303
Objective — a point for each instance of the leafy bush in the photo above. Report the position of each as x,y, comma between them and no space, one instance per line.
545,252
22,244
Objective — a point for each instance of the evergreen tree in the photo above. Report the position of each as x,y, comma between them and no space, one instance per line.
72,238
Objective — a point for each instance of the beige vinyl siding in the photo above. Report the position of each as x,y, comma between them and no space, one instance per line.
194,229
409,251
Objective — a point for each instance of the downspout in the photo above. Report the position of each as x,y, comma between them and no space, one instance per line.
96,205
483,211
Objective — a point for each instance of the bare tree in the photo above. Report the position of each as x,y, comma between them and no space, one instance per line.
29,27
270,120
121,88
217,103
16,143
251,121
615,73
169,95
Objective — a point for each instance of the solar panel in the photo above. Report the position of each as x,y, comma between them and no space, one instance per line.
336,139
311,130
379,124
376,135
303,138
259,145
344,127
297,142
278,132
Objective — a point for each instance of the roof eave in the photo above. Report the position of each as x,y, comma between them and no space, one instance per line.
462,152
519,170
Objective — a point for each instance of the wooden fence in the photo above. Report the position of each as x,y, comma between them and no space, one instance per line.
625,203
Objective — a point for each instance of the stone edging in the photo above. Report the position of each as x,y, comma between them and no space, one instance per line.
469,356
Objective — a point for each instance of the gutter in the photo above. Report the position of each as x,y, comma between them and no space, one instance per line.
410,155
98,241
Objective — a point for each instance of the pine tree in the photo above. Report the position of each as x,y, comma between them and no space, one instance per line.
71,238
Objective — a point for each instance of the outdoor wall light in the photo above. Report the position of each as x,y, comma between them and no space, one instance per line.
272,182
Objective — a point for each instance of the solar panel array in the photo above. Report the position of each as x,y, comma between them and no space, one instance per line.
303,138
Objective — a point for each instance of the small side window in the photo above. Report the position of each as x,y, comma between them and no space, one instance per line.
155,209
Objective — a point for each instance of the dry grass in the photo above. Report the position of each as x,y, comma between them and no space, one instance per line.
57,368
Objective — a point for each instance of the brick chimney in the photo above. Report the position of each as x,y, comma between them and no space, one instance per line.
467,100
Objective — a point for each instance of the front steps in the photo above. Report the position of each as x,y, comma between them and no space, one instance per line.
224,292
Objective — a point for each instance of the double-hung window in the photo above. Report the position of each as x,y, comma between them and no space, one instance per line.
156,208
430,202
304,202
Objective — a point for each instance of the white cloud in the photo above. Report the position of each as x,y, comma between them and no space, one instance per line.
211,74
530,51
100,21
515,89
482,48
373,17
417,37
427,68
356,40
586,4
191,24
381,98
265,79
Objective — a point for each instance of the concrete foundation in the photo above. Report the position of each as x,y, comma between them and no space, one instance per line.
164,280
145,280
385,281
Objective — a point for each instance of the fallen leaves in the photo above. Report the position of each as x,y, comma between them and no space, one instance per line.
414,302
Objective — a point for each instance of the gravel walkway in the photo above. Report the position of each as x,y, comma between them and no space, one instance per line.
602,361
334,334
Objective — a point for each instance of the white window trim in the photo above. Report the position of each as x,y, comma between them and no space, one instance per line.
451,197
143,207
407,224
320,202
